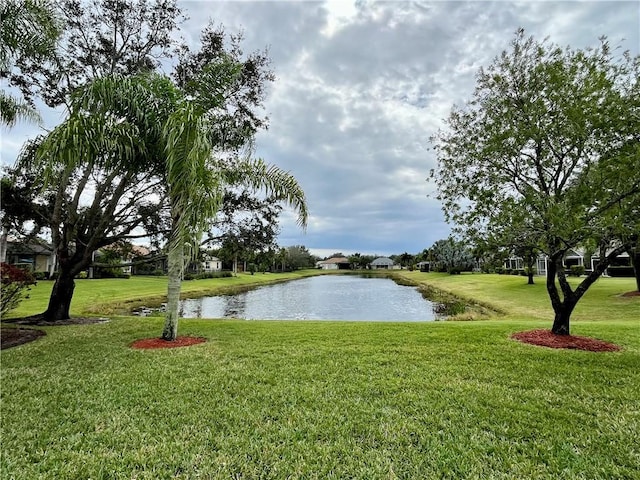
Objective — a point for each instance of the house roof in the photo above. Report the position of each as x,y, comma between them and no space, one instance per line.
140,250
33,247
335,260
382,261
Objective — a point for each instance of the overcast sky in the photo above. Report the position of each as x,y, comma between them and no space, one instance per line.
360,88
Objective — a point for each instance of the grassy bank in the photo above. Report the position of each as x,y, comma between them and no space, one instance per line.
517,300
118,295
329,399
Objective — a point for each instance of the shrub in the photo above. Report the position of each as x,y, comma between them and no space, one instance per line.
14,285
40,275
220,274
576,270
499,270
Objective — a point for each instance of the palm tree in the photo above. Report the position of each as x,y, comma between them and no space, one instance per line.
147,122
196,184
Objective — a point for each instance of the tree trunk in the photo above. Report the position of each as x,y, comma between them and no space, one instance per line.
562,308
531,262
175,263
60,299
634,254
561,319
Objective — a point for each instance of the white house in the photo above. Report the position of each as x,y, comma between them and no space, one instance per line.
572,257
211,263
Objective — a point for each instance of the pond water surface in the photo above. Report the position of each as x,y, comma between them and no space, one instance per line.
325,297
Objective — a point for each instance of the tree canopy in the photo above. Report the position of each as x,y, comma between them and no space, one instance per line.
139,147
549,143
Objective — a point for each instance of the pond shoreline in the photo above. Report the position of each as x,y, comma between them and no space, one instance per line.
447,306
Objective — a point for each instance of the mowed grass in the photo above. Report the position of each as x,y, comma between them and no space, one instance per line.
511,294
331,399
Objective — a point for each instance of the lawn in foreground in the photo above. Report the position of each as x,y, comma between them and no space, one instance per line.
319,400
329,399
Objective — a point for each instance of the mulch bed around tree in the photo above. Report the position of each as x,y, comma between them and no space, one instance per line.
545,338
632,294
37,320
12,337
154,343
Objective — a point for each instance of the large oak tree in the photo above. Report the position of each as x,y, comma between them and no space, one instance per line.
550,135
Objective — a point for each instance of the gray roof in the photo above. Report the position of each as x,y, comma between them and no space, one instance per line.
382,261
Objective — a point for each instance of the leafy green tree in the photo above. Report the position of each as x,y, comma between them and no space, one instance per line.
356,261
99,38
542,127
405,259
101,167
246,225
114,143
105,168
24,211
300,257
451,256
29,31
182,137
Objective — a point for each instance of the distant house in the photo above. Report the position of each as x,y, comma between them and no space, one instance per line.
424,266
211,263
34,255
621,265
335,263
382,263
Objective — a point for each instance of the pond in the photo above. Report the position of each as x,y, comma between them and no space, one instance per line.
325,297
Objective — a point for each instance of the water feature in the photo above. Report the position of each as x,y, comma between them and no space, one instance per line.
326,297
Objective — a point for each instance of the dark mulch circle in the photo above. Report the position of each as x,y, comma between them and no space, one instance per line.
154,343
632,294
12,337
37,320
546,338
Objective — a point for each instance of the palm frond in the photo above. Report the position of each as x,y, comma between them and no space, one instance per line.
13,109
257,174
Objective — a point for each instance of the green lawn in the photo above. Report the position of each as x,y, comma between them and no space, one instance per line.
328,399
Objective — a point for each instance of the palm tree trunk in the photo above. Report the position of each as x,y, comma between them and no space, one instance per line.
3,244
175,263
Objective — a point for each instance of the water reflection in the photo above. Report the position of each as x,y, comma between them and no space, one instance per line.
330,297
